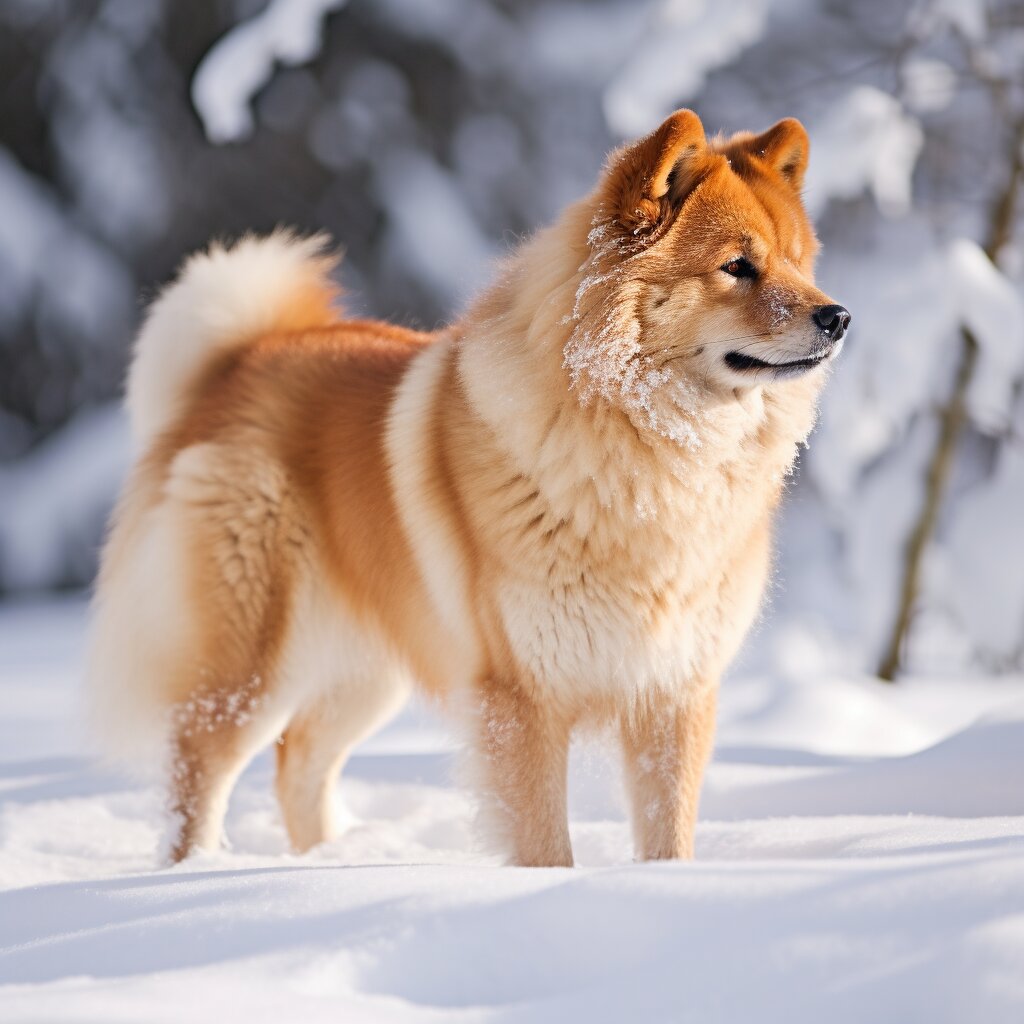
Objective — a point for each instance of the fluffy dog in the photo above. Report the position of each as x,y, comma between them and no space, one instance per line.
559,508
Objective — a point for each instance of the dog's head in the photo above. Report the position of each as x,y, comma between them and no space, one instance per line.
700,267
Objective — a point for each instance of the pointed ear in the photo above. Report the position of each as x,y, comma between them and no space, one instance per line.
784,148
647,179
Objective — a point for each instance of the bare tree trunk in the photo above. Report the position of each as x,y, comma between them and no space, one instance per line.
951,422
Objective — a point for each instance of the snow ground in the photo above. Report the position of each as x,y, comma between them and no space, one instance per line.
860,857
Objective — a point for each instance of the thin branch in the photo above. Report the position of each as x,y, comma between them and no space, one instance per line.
952,420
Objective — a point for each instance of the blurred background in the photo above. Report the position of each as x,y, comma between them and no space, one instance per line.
131,132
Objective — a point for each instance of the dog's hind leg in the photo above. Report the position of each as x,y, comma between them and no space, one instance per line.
243,545
215,734
316,744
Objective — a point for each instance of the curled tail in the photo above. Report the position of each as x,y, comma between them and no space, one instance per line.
224,298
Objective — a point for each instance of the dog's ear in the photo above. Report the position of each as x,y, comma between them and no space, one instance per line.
648,180
784,148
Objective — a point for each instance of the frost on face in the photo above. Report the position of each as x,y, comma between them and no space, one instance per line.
604,353
779,309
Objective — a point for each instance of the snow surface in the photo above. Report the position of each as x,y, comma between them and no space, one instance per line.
860,857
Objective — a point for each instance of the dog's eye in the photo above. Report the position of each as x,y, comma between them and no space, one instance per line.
739,267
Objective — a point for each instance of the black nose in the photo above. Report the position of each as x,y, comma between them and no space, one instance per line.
833,320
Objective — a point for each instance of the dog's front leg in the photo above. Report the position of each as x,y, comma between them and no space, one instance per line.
666,745
522,749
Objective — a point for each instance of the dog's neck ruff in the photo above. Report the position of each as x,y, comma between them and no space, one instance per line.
557,372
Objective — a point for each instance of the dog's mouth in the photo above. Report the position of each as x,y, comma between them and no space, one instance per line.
744,363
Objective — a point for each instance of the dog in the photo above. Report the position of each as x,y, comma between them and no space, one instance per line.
553,514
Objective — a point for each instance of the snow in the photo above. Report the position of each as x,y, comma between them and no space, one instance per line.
428,137
876,434
686,40
859,858
54,503
889,141
111,157
859,852
990,594
991,306
87,290
241,63
929,85
967,16
431,228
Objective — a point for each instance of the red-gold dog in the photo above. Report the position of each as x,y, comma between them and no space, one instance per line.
559,508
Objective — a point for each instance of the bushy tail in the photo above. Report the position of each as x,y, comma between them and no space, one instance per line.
221,299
